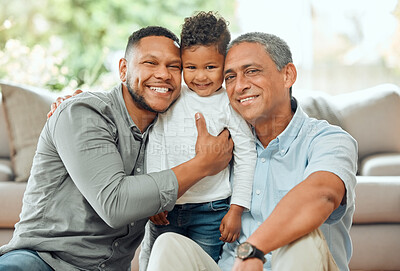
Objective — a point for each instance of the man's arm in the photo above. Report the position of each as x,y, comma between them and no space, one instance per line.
302,210
208,148
212,155
87,148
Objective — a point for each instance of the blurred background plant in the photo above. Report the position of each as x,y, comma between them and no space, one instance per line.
65,44
337,46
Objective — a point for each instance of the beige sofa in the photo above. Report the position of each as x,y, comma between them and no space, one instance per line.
372,116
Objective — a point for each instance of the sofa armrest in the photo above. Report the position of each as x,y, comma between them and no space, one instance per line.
11,194
377,200
382,164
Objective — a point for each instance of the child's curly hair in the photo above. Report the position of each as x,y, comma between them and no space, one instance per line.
205,28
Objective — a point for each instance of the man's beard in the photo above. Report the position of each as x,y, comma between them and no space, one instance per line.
141,102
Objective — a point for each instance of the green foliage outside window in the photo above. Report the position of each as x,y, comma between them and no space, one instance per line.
62,44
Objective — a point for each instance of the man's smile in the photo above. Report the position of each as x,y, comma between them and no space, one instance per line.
160,89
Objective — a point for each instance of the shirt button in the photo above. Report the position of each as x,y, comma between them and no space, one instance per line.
138,169
102,265
263,160
258,191
116,244
282,151
133,224
258,223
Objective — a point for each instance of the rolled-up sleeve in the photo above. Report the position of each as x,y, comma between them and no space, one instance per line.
86,139
335,151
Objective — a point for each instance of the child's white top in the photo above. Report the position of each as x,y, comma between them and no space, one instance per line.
172,141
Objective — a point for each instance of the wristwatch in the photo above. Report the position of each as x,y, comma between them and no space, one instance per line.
246,250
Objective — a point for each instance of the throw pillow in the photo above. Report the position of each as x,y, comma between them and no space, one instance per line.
25,111
317,105
371,116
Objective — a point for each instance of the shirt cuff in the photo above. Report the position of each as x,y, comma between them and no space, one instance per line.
168,188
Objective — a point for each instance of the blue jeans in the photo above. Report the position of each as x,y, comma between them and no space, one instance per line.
200,222
21,260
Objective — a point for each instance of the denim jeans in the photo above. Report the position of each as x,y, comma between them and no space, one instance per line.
200,222
197,221
21,260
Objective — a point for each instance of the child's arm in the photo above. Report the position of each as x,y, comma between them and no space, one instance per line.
244,159
231,224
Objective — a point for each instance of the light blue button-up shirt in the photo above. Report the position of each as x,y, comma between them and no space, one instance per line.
307,145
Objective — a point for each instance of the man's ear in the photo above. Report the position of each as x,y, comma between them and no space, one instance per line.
123,69
290,75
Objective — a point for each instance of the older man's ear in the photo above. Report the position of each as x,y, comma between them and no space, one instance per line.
290,74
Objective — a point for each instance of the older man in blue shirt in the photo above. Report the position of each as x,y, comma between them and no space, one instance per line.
303,190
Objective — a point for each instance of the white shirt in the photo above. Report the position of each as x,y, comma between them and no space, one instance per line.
173,138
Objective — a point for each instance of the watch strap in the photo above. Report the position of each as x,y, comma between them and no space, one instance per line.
258,254
254,253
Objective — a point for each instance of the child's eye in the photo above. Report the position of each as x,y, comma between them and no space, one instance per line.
190,67
210,67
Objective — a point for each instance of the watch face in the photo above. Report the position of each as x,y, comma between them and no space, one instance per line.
244,250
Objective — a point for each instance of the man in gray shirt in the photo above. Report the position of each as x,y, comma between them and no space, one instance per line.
88,199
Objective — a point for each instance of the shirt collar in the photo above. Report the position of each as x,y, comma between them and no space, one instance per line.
285,139
116,94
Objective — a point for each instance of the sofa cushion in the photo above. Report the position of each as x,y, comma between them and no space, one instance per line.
377,199
25,113
11,194
375,247
6,172
4,142
371,116
387,164
317,105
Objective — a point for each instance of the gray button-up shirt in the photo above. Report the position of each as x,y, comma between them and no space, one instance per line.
86,203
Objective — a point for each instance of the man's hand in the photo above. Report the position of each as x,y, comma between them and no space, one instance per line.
59,100
231,224
217,150
160,219
213,154
253,264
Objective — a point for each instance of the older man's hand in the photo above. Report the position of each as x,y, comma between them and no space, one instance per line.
59,100
253,264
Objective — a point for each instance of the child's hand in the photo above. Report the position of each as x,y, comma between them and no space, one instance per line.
160,219
59,100
231,224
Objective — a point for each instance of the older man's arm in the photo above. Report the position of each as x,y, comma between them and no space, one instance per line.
302,210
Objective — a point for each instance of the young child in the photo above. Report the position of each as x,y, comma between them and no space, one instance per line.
203,212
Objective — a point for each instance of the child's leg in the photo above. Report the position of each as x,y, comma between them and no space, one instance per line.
205,223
